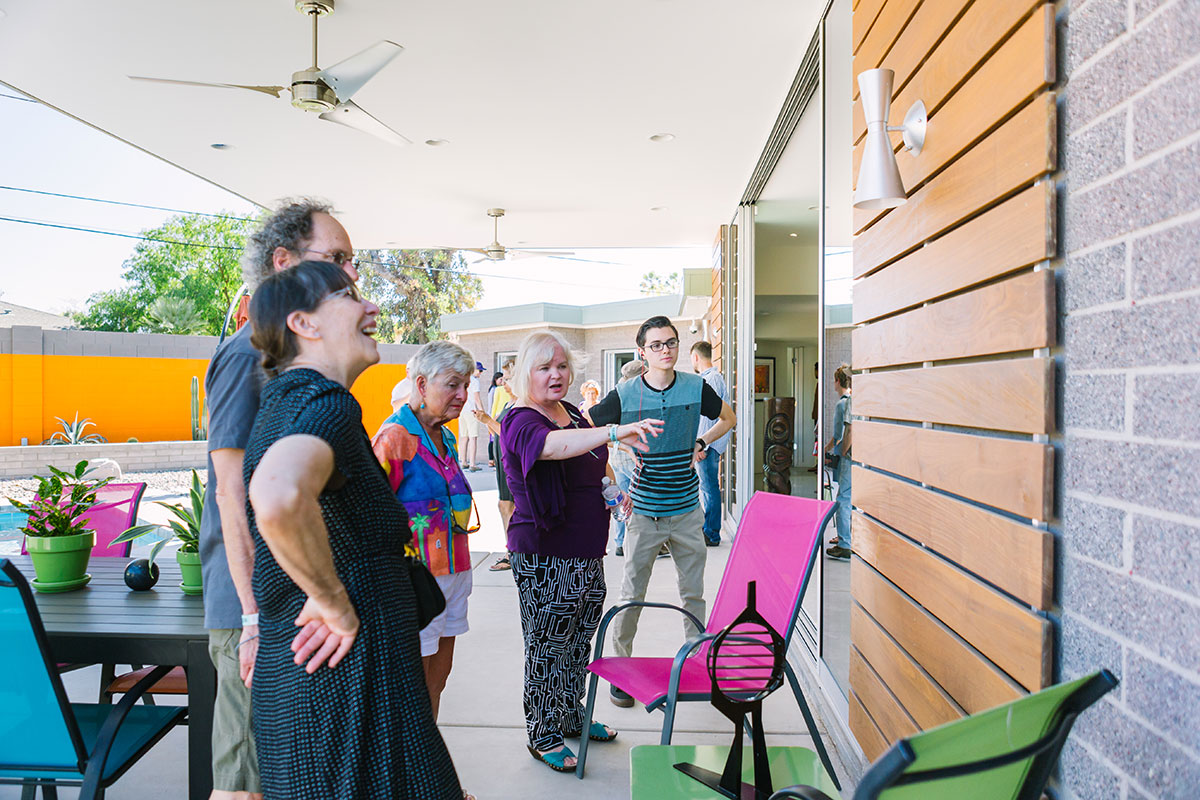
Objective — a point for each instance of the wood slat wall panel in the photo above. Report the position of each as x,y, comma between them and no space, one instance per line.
865,14
893,721
974,682
1022,67
1010,395
1016,153
1014,234
1014,638
1017,558
1014,475
925,701
883,34
865,730
927,26
1014,314
985,24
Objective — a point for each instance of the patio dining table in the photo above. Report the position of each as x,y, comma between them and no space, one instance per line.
106,622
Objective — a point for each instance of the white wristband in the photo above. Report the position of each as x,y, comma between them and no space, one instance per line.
249,619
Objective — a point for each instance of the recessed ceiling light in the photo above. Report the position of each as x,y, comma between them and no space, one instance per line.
437,142
658,208
221,146
793,235
662,137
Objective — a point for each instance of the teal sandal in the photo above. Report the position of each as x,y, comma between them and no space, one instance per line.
555,760
597,733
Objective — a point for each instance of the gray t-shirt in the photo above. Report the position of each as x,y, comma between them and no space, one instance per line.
712,376
233,385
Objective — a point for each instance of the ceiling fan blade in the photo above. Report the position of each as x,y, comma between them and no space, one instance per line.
352,115
519,252
274,91
348,76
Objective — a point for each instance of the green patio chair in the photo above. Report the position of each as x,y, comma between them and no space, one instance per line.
47,741
1005,753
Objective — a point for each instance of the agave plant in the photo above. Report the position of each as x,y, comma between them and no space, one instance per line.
73,432
178,315
61,502
185,528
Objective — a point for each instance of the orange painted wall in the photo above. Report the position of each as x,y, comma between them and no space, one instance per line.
149,399
6,396
145,398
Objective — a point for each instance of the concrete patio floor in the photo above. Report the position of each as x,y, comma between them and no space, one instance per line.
481,718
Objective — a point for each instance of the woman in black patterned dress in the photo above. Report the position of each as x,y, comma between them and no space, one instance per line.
339,699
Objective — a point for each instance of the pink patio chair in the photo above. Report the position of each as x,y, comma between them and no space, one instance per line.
777,543
115,511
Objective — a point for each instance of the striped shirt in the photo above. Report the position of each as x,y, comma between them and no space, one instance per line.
664,481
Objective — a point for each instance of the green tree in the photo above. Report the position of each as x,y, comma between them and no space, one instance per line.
193,257
653,283
413,288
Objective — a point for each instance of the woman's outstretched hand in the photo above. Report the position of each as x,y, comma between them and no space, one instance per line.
327,630
634,434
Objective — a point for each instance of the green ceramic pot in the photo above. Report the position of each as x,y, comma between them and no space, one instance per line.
189,565
61,561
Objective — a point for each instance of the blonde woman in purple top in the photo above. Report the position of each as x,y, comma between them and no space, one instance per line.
555,460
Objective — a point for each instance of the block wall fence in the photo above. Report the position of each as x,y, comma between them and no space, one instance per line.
130,384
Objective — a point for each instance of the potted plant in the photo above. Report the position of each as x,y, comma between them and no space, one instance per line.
185,528
56,535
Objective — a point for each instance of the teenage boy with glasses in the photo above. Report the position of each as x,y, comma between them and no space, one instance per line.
664,488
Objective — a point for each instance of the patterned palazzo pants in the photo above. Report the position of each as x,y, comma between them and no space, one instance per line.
562,600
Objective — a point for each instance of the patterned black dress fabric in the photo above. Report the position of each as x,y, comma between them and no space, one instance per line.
363,729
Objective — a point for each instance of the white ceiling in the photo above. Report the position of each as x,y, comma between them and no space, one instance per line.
547,105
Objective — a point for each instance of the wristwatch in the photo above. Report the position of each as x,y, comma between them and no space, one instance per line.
703,445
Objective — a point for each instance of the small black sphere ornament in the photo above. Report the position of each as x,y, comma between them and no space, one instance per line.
141,575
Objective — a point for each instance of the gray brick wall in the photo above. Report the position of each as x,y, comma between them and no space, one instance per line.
23,462
1129,549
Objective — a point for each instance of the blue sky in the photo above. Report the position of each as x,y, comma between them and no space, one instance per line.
56,270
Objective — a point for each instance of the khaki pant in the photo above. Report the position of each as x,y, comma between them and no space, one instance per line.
235,761
644,537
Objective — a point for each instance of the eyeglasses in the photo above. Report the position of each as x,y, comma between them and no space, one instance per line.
346,291
670,344
337,256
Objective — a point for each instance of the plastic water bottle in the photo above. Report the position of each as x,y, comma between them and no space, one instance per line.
614,499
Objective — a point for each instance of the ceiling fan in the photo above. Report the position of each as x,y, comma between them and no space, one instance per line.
498,252
327,91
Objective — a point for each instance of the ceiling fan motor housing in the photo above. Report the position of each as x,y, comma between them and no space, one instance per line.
310,93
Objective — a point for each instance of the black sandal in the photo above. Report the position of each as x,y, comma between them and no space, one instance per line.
501,564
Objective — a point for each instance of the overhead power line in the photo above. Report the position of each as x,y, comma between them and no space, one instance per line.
202,245
123,203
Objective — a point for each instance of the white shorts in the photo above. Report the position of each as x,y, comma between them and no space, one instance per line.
452,621
469,424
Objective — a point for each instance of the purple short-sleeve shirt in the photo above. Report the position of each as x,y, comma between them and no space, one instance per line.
558,507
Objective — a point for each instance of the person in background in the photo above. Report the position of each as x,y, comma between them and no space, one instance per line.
622,460
487,404
418,452
710,486
298,230
500,405
400,393
468,423
666,503
591,395
340,705
555,461
839,445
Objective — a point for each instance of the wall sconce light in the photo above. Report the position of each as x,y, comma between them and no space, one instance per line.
879,185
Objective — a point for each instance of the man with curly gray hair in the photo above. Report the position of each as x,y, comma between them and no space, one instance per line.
300,230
